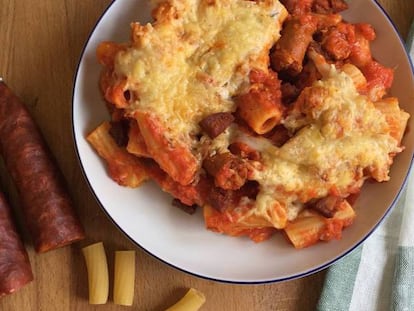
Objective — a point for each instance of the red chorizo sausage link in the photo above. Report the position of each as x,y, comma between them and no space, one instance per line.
15,270
47,207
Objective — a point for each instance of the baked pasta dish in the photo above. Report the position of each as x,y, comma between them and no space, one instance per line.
267,115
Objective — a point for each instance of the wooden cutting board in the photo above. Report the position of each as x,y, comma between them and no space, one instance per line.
40,44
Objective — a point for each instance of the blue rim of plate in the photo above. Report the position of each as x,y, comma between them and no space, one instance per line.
275,280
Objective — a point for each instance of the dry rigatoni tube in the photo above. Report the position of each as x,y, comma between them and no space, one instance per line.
192,301
124,278
98,278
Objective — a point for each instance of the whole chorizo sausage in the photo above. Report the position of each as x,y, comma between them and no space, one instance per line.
46,205
15,269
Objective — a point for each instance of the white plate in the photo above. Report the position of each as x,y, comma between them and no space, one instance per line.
146,216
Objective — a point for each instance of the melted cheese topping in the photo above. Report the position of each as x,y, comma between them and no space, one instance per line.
337,140
195,57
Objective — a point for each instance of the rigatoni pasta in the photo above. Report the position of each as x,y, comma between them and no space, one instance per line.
98,277
269,118
123,167
356,75
261,106
191,301
310,227
124,278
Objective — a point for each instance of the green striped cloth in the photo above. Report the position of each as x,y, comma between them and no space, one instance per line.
379,274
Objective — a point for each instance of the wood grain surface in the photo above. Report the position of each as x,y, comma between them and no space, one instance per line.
40,45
